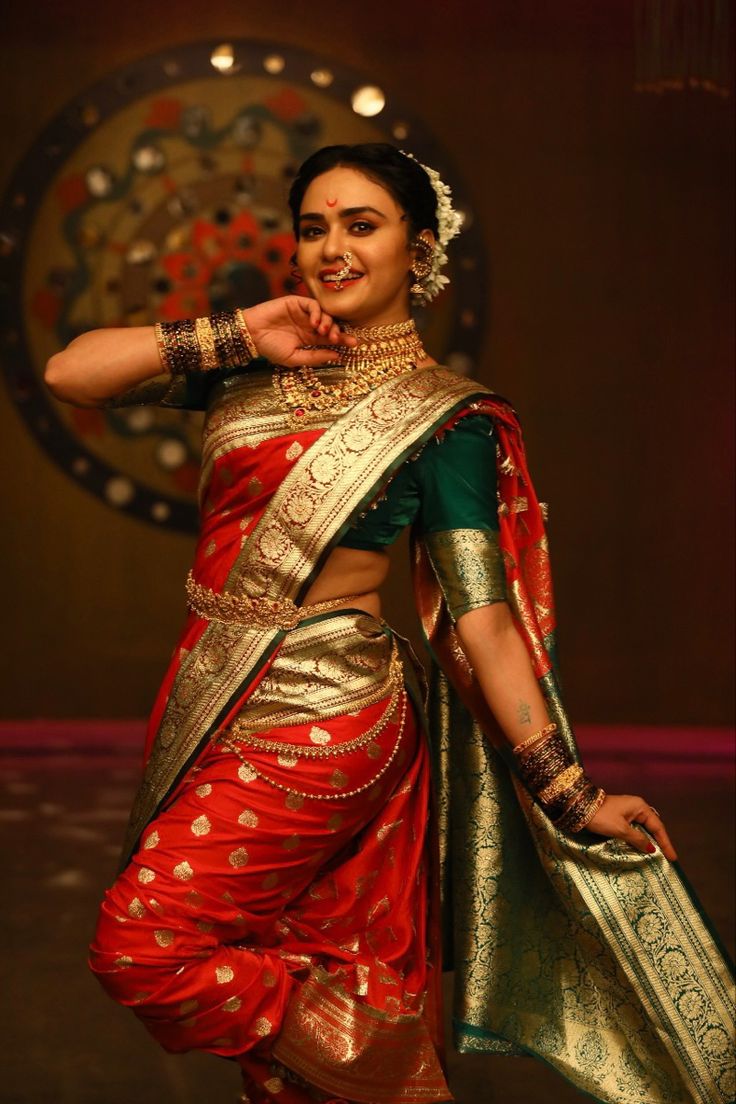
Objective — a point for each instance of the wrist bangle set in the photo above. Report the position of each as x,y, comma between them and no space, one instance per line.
558,783
205,344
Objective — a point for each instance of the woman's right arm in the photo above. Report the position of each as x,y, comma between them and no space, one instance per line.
103,364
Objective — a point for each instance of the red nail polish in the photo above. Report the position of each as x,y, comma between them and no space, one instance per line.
651,848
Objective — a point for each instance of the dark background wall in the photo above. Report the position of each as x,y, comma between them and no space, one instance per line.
608,220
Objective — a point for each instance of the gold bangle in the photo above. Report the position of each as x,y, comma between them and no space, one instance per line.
206,341
548,730
161,346
564,781
179,346
548,758
581,810
245,333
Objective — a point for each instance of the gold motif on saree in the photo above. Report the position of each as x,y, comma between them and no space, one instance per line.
535,566
325,468
318,735
300,507
507,467
362,438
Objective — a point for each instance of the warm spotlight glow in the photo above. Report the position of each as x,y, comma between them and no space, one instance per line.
368,100
400,131
223,57
274,64
323,78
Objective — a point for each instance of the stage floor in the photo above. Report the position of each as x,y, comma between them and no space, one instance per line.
67,790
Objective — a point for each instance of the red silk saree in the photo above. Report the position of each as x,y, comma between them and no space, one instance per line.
576,949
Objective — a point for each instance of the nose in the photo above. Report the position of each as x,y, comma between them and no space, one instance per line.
334,244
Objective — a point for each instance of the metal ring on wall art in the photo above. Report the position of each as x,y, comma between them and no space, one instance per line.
160,193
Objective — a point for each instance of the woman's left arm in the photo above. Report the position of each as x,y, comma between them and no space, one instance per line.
502,666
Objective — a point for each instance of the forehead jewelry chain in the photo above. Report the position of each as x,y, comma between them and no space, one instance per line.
344,271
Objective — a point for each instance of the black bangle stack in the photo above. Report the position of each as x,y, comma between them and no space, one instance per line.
558,783
205,344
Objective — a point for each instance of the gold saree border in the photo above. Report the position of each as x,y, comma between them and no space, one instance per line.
328,485
469,566
341,1045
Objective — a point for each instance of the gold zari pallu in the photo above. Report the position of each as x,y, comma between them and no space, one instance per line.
260,613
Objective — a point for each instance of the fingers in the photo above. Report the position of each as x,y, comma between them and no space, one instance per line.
633,820
316,357
650,819
641,813
323,324
638,840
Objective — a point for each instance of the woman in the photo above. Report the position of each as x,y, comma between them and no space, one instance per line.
278,902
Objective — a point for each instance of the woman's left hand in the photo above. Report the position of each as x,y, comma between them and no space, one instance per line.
618,816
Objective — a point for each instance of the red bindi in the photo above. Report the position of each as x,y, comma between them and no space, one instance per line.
330,202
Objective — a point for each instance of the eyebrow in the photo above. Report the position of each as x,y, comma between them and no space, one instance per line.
347,212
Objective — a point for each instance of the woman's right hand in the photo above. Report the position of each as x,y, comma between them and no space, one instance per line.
619,816
280,329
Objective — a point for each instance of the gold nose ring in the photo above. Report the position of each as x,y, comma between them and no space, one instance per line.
344,271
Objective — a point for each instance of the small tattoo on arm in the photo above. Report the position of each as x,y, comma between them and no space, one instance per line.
524,713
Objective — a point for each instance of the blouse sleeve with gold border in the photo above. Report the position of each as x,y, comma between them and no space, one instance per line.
458,515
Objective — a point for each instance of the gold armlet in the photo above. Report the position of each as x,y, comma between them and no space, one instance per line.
221,340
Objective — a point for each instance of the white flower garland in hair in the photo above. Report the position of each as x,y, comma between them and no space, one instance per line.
449,225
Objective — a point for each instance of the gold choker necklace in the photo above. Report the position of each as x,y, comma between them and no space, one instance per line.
382,352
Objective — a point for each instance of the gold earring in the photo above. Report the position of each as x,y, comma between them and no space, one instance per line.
422,265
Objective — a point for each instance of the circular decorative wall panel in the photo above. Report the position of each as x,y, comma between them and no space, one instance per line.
160,194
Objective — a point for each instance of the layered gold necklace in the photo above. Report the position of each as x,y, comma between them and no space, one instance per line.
382,352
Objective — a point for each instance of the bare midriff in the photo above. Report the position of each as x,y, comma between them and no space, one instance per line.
351,571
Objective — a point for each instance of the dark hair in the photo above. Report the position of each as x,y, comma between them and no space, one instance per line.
401,176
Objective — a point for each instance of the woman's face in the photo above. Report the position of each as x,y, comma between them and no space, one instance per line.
343,210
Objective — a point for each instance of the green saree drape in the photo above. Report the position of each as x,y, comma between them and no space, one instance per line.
578,950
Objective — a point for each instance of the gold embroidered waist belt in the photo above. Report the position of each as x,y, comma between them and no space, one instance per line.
257,613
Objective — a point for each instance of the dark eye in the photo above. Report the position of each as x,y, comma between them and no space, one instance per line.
310,231
362,227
